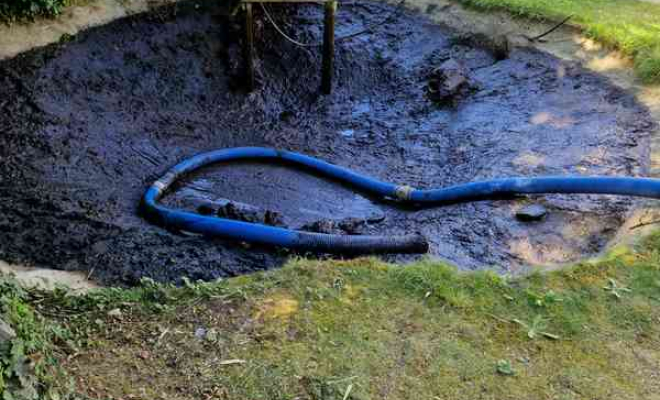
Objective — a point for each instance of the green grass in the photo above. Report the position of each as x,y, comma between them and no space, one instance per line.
629,25
361,329
27,363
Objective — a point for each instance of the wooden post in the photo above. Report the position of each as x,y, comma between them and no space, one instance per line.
249,47
328,46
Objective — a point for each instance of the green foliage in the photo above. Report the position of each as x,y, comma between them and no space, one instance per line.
504,367
615,289
12,10
319,389
26,361
536,328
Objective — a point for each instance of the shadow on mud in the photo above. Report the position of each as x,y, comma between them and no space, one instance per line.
88,124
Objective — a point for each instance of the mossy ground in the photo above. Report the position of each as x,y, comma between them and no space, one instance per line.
630,25
362,329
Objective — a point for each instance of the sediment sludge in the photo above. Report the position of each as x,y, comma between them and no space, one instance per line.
87,124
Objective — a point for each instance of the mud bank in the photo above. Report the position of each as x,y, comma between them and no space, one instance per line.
88,124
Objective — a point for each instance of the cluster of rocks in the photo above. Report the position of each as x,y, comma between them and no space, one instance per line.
241,212
347,226
248,213
448,83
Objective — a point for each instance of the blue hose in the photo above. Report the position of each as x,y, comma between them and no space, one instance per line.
348,244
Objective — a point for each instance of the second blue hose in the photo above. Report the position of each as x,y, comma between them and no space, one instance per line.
347,244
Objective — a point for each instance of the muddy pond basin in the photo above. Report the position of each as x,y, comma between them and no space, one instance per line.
89,123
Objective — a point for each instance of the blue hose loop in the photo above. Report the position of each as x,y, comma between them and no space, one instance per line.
268,235
358,244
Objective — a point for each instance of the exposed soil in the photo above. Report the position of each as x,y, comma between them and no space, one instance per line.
88,124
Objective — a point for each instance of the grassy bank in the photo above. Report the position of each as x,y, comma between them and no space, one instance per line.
629,25
361,329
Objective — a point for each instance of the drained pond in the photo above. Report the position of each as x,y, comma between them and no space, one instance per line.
89,123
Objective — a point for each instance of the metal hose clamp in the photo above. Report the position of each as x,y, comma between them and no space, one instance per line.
403,192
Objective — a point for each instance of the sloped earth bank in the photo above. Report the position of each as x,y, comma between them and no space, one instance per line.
87,124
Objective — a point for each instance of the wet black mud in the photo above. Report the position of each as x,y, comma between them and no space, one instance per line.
87,125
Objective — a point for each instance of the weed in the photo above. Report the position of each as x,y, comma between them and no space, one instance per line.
504,367
536,328
614,288
27,361
543,300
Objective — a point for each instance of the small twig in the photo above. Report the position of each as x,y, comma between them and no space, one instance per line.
348,391
162,335
642,224
554,28
231,362
499,319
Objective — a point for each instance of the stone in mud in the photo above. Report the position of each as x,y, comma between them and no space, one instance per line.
249,213
326,226
353,226
241,212
534,212
273,218
348,226
448,81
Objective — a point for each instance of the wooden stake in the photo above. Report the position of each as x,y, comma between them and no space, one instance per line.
249,47
328,46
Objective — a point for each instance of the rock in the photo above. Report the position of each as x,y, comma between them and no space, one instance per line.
6,332
249,213
349,226
240,212
447,82
327,226
352,226
200,333
534,212
115,313
273,218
